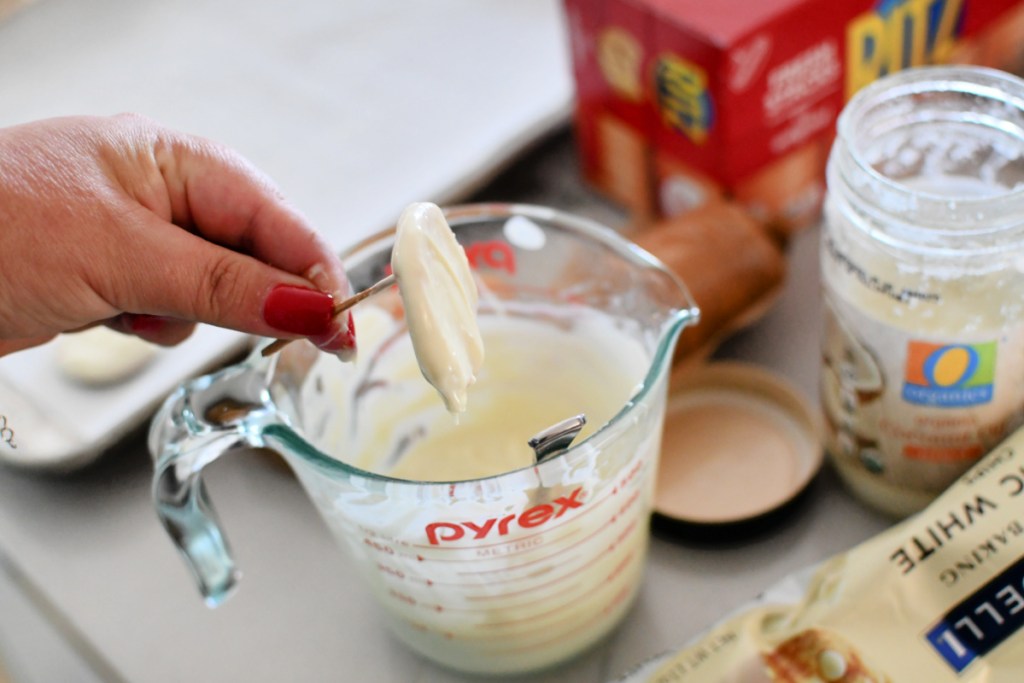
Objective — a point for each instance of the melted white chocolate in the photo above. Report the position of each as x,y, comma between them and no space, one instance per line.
440,300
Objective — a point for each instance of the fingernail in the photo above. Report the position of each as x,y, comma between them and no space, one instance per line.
342,343
317,274
298,310
141,323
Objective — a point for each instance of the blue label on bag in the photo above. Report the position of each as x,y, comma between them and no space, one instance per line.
983,621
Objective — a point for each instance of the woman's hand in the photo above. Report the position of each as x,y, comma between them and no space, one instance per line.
123,222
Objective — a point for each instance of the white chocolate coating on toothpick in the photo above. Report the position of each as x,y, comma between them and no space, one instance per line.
440,300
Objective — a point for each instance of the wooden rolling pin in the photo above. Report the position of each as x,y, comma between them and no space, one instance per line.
732,267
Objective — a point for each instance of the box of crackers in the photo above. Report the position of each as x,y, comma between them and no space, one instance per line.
686,103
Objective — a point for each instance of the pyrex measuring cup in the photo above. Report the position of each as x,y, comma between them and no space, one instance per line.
501,573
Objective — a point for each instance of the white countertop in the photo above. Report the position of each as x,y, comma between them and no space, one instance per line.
354,107
87,550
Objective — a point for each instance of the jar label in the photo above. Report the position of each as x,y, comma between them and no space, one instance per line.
914,411
949,375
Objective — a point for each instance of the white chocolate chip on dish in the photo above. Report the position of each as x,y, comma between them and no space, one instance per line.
100,356
832,665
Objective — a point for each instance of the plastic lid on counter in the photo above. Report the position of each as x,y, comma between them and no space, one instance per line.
740,446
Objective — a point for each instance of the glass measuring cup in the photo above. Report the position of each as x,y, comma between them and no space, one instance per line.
506,572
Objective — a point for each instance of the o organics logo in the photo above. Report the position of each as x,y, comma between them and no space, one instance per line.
949,375
683,98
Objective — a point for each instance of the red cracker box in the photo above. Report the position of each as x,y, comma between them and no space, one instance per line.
613,102
683,103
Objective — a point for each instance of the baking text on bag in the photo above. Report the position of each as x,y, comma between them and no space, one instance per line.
920,547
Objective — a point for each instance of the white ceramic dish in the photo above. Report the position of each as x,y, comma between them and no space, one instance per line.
59,424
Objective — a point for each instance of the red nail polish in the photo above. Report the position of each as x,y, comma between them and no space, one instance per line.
341,343
350,333
141,323
298,310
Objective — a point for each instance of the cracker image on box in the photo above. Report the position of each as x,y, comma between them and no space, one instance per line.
819,656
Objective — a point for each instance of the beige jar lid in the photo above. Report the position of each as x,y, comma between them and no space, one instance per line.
740,445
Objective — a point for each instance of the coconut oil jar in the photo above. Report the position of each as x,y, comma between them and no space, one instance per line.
923,269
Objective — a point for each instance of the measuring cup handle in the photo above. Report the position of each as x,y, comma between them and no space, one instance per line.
197,424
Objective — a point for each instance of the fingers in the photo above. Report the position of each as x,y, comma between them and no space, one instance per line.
229,202
154,329
341,337
169,272
12,345
95,204
215,193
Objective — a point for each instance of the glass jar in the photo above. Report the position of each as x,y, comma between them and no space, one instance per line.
921,255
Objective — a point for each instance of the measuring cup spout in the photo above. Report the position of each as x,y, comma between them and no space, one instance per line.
667,309
197,424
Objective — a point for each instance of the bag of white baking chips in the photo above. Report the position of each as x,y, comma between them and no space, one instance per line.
937,598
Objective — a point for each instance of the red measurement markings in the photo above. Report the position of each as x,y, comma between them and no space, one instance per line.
379,547
631,474
629,502
530,518
623,535
540,623
476,609
573,573
390,571
404,598
398,574
388,548
519,602
598,530
413,601
393,573
544,559
619,598
570,574
620,566
547,631
517,568
535,587
375,534
385,539
563,606
557,609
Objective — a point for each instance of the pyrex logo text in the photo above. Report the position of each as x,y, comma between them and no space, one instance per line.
493,254
438,532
